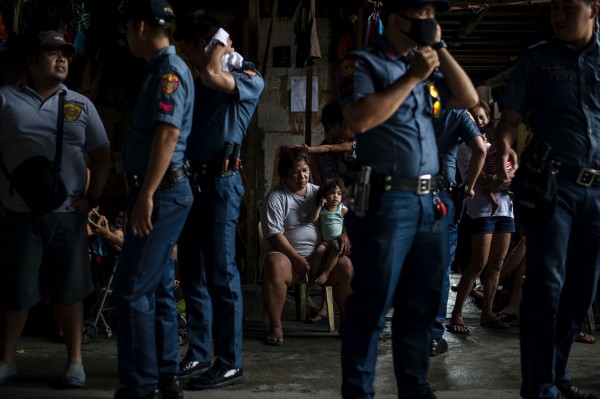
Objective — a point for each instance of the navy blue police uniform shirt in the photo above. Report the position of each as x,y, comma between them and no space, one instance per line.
405,144
562,89
222,117
166,96
449,127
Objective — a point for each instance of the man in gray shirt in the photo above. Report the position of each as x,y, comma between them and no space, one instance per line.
45,256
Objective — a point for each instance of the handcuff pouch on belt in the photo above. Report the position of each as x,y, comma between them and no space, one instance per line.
170,179
535,184
364,186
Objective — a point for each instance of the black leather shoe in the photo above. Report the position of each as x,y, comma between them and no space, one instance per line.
191,368
438,346
125,393
216,378
171,388
570,391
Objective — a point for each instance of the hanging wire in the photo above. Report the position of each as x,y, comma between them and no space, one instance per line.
374,24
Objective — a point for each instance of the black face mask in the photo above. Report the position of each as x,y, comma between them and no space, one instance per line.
422,31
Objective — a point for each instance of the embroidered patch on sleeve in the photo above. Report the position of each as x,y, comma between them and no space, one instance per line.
249,72
166,107
347,68
169,83
72,111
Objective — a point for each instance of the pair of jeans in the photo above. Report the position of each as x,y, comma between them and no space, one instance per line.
209,275
399,256
438,325
561,279
148,347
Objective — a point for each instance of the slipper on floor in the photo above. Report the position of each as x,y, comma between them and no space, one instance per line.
507,318
586,338
316,319
275,340
494,324
458,328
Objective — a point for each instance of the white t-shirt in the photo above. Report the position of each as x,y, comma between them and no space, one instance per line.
479,206
288,213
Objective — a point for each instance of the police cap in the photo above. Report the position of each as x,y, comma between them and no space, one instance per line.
155,12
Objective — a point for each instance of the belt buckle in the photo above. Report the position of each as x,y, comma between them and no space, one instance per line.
424,184
586,177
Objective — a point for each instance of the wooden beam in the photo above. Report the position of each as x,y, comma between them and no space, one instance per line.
252,158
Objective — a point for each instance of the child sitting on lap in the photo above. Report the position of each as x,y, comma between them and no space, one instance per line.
330,212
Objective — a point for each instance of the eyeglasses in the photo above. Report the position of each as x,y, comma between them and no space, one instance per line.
436,101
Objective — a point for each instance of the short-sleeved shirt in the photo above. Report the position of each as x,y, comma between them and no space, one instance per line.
290,214
221,118
451,126
404,145
28,128
167,95
562,89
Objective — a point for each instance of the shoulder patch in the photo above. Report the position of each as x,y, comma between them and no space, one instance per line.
166,107
72,111
169,82
249,72
347,67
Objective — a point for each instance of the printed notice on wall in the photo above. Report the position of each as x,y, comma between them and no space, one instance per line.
298,85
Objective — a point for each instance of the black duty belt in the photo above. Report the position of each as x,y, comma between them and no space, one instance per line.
586,177
172,176
213,169
421,185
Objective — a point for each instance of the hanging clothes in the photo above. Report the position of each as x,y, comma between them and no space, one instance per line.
308,49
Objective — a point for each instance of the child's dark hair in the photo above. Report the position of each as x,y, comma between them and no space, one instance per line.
329,185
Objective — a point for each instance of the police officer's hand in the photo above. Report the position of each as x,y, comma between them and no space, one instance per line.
140,221
424,63
438,33
508,155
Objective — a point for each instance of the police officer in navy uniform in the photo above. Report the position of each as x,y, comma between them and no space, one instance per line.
227,92
452,126
559,80
159,200
400,244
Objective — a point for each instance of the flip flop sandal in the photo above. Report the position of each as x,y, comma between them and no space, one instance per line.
274,340
458,328
586,338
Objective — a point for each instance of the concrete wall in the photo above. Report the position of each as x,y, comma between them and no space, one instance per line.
280,125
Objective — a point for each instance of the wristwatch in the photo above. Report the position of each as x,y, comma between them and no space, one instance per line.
439,45
93,200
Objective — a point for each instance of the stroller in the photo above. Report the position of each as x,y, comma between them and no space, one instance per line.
103,313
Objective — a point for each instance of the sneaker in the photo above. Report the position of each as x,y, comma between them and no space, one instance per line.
171,388
74,376
570,391
191,368
7,373
438,346
216,378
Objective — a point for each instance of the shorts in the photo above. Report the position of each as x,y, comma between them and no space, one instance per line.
492,224
43,257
